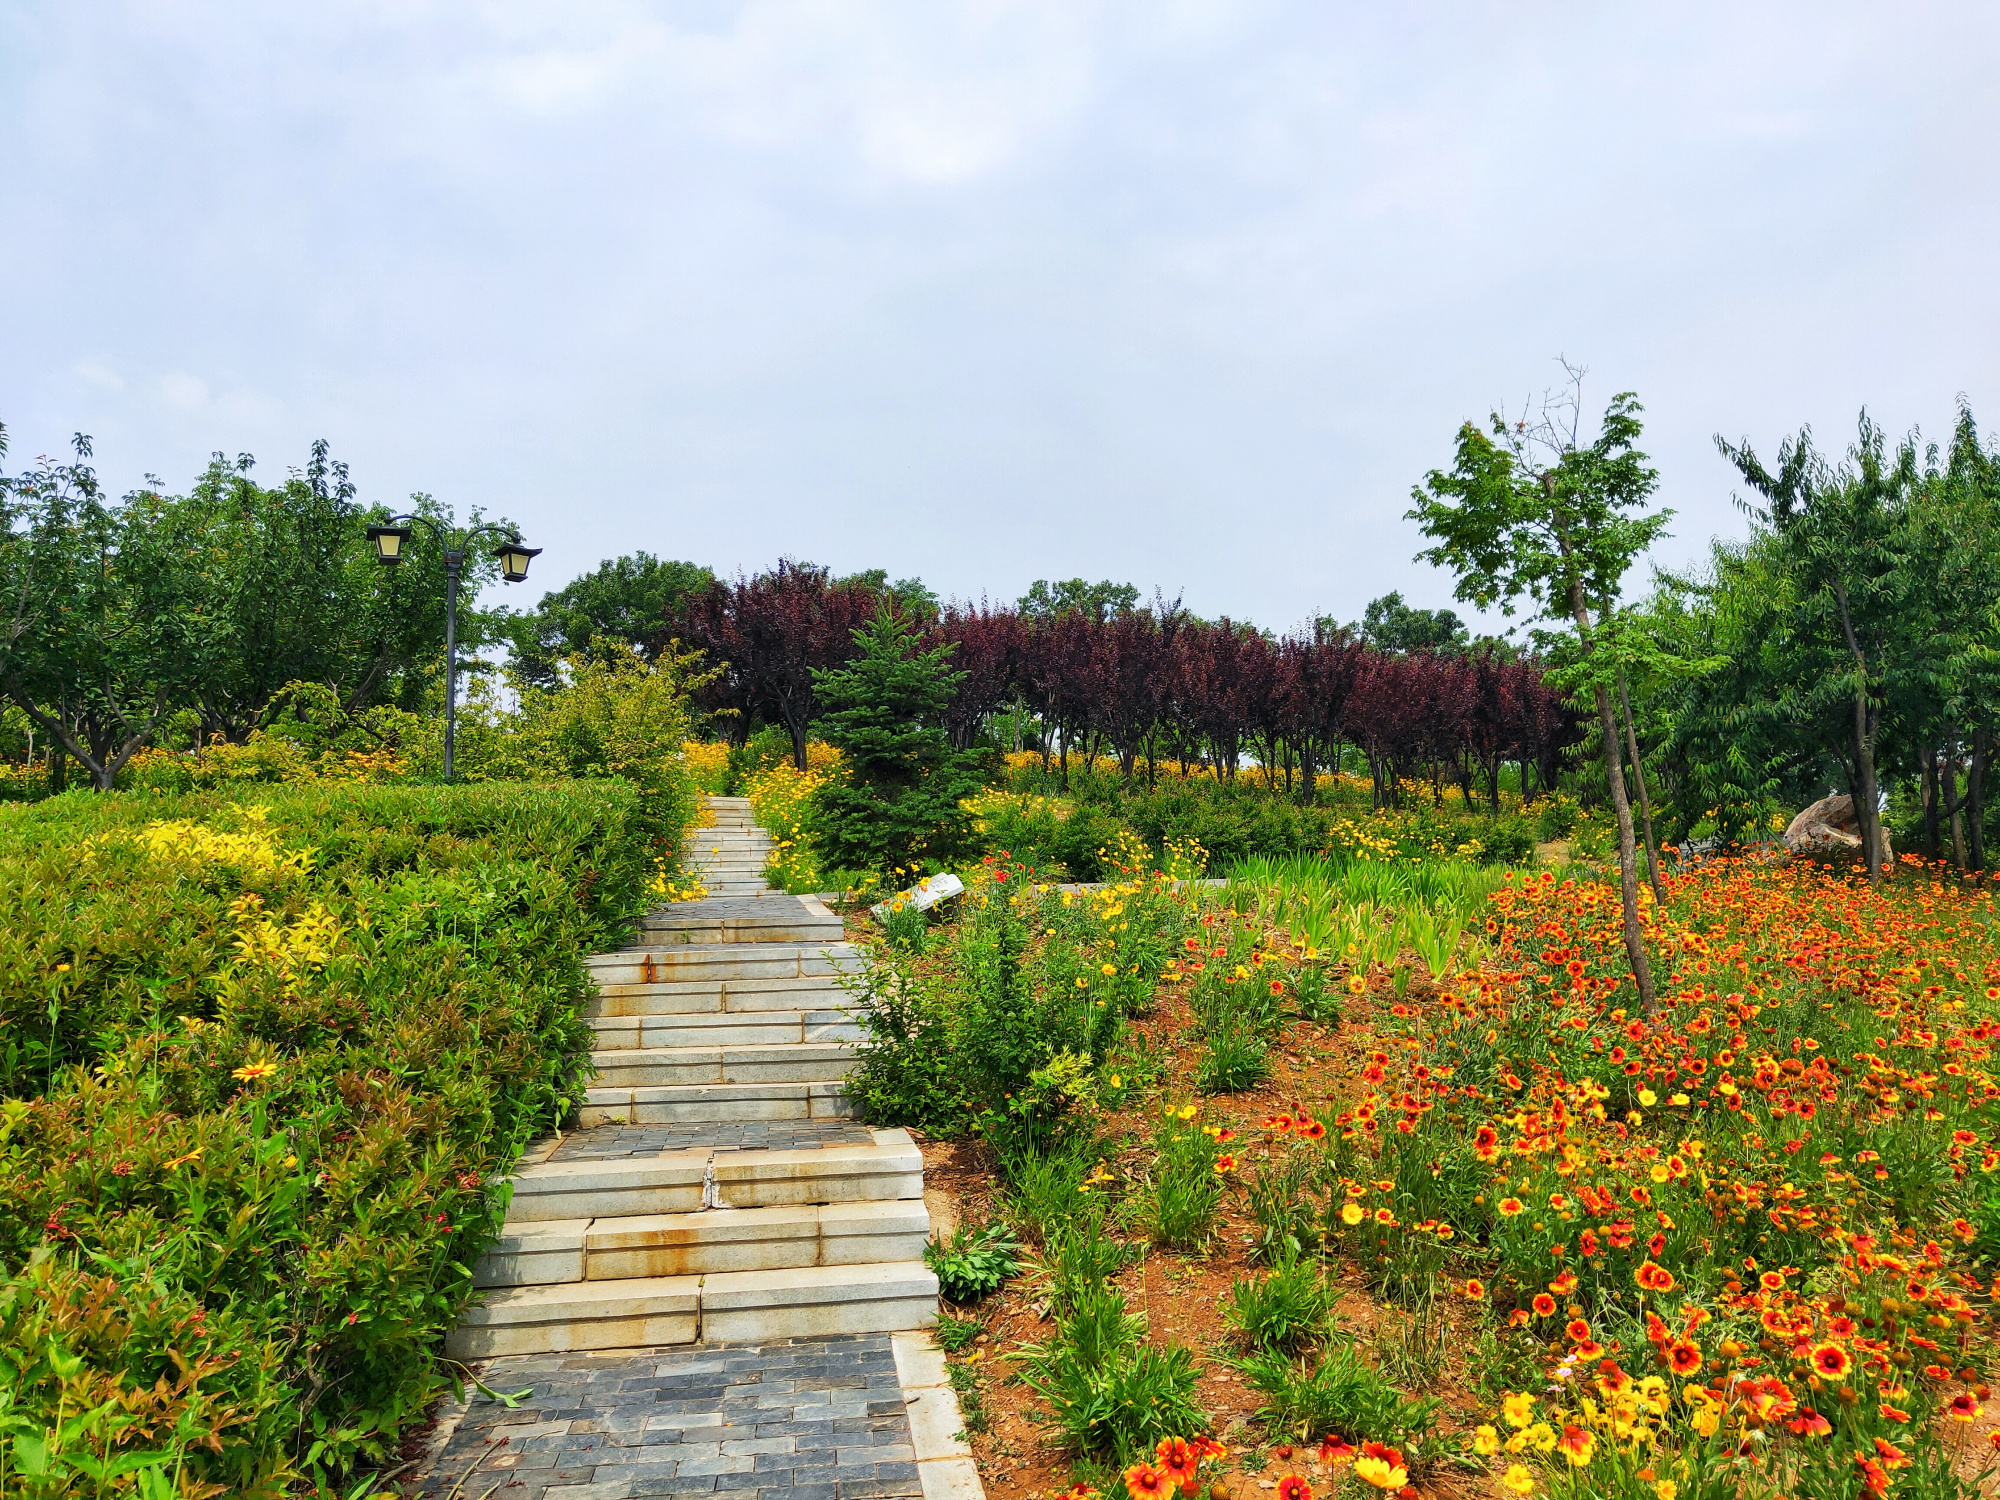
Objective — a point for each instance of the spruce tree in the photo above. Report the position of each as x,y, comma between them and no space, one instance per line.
886,711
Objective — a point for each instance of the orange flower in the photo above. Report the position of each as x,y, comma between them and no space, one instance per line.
1177,1460
1144,1482
1224,1165
1831,1362
1577,1330
1510,1207
1294,1487
1684,1359
1475,1289
1334,1451
1576,1444
1655,1278
1964,1407
1544,1305
1312,1130
1486,1143
255,1070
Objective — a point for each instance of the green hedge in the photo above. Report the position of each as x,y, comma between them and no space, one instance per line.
262,1056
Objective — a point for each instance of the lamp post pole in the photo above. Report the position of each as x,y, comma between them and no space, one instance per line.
390,542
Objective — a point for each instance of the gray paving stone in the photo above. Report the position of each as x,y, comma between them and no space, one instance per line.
802,1419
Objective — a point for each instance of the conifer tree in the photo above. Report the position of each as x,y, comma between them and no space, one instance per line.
886,712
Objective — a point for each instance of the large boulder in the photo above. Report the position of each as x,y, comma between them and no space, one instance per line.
1829,829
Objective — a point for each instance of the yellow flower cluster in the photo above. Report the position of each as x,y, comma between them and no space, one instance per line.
708,762
251,847
781,801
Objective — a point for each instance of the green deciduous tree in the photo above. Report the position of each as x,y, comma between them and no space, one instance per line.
885,710
1529,509
628,598
95,613
1845,531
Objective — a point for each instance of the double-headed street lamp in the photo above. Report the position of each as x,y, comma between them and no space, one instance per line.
392,541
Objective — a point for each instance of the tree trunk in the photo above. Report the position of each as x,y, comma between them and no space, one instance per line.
1628,872
1952,806
1975,799
1867,797
1932,846
1645,802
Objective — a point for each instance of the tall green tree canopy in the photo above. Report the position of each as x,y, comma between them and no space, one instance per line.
1530,510
630,599
1100,600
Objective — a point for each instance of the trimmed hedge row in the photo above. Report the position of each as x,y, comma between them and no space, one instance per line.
261,1057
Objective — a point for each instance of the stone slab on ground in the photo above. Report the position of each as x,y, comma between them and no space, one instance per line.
608,1141
791,1419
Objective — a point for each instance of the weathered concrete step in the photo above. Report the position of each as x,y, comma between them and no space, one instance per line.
810,1301
695,961
726,1029
683,1182
668,1104
738,920
784,1062
710,996
786,1237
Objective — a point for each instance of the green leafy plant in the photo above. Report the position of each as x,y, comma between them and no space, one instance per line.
1112,1396
1284,1200
1284,1310
1185,1193
903,1074
1336,1392
973,1262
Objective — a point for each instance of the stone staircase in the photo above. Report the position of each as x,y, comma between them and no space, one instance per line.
717,1186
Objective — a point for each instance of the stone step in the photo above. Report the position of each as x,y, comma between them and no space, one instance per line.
786,1237
684,1182
726,1029
785,1062
669,1104
716,1308
808,992
723,961
785,924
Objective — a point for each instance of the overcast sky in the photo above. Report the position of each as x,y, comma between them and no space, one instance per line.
1186,294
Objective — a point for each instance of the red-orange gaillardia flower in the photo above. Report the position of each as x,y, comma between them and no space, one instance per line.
1294,1487
1177,1460
1831,1362
1655,1278
1684,1359
1544,1305
1147,1483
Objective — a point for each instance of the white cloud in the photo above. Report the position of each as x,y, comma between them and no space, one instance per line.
102,376
184,392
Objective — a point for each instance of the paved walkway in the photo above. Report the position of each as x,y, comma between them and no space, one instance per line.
804,1419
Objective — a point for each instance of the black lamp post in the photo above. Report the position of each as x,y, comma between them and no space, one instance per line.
392,541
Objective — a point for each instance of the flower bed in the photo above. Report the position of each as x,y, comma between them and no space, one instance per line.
1501,1232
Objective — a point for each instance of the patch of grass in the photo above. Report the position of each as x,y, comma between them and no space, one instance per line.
1286,1310
1185,1193
1111,1395
1336,1392
955,1334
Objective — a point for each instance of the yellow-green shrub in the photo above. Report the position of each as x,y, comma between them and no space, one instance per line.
263,1056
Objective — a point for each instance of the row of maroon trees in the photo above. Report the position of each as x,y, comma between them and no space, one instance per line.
1149,684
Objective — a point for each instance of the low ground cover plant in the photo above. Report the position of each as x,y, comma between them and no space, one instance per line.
265,1056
